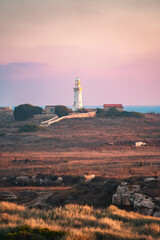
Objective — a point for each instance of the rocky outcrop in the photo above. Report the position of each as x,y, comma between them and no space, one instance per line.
130,195
143,204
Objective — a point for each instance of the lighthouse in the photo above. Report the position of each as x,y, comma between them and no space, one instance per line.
77,95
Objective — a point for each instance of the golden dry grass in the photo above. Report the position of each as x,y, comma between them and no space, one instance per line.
82,222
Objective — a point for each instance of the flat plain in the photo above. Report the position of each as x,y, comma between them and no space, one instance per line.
101,146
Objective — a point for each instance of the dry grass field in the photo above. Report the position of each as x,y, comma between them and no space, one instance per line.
102,146
74,222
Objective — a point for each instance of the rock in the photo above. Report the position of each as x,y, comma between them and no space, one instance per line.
157,199
116,199
34,179
140,144
122,189
4,196
123,183
87,177
143,204
150,179
156,214
4,179
128,189
126,200
22,180
59,180
45,180
40,181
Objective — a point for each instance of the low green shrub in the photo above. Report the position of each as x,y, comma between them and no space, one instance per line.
30,127
82,110
61,110
100,112
112,112
27,233
25,111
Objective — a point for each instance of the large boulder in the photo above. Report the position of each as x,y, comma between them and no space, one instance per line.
143,204
129,195
124,194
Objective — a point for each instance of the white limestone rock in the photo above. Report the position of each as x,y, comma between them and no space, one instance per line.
143,204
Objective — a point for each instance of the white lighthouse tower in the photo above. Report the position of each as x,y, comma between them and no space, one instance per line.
77,95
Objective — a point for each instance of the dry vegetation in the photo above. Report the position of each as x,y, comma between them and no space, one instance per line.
82,222
100,146
103,146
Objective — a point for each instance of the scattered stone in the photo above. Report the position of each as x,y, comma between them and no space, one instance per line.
4,196
140,144
45,180
40,181
22,180
87,177
156,214
34,179
150,179
4,179
59,180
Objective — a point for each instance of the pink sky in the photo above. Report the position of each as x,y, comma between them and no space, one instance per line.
112,45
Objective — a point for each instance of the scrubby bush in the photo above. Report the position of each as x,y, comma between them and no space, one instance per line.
30,127
100,112
25,111
61,110
82,110
113,112
27,233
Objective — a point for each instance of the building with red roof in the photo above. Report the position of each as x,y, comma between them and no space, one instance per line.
118,107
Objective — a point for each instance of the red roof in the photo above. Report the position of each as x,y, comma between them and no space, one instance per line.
113,105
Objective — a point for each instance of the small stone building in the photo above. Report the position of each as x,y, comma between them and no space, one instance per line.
50,109
5,109
118,107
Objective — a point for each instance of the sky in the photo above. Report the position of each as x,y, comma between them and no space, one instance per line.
113,46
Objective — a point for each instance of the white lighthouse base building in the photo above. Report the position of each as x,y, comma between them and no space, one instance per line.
77,95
